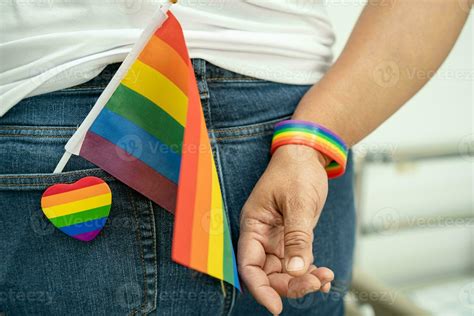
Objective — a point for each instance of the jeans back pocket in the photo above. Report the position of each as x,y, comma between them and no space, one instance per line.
45,272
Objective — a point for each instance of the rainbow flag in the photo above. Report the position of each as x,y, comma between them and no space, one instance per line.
147,129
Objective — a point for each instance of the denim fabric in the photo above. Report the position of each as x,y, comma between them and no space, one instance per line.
127,269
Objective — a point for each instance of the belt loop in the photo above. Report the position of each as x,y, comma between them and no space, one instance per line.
203,69
199,67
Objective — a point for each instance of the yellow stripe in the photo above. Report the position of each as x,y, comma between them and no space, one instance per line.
74,195
148,82
215,254
81,205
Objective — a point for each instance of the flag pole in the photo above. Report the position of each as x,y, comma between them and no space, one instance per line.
62,162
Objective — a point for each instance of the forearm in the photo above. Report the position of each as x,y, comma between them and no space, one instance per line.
378,70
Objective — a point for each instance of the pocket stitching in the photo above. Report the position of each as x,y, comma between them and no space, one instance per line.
9,127
142,259
265,133
34,180
260,129
36,136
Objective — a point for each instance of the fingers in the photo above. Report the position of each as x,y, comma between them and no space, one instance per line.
326,276
294,287
251,258
316,279
272,264
279,281
259,285
302,285
299,220
326,288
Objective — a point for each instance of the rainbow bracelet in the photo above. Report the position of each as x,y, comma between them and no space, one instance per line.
314,136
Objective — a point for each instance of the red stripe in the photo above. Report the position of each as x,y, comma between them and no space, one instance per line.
334,173
172,33
164,59
201,220
131,171
80,184
185,206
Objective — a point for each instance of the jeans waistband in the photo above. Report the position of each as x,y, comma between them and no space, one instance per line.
203,70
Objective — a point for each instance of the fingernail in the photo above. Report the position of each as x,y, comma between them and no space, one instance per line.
295,264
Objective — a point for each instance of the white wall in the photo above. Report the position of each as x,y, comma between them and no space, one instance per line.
395,195
442,111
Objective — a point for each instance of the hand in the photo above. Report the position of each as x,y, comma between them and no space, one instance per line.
275,254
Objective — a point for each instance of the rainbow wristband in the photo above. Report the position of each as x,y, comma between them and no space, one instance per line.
314,136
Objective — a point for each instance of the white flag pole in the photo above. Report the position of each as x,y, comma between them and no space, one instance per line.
62,162
73,146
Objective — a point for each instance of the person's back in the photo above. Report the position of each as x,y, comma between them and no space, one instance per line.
277,127
63,44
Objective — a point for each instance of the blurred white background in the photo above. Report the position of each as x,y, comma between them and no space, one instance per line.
415,183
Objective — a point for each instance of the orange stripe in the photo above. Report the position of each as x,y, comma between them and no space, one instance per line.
171,33
75,195
183,217
163,58
200,241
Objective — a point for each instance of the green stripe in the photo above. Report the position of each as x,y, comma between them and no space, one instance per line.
228,265
333,165
81,217
148,116
332,141
310,131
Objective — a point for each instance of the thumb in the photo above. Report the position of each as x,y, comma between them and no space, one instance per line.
299,221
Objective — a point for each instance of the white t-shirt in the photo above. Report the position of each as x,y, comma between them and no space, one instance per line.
47,45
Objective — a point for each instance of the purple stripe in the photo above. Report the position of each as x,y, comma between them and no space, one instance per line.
84,227
130,170
87,236
298,123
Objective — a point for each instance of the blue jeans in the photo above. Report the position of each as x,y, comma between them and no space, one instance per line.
127,269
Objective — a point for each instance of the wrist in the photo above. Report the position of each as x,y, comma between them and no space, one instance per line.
323,159
301,153
329,150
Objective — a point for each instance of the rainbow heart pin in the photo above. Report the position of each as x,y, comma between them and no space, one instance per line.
79,209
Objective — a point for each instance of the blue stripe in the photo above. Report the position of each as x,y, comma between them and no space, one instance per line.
236,274
138,143
314,130
85,227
